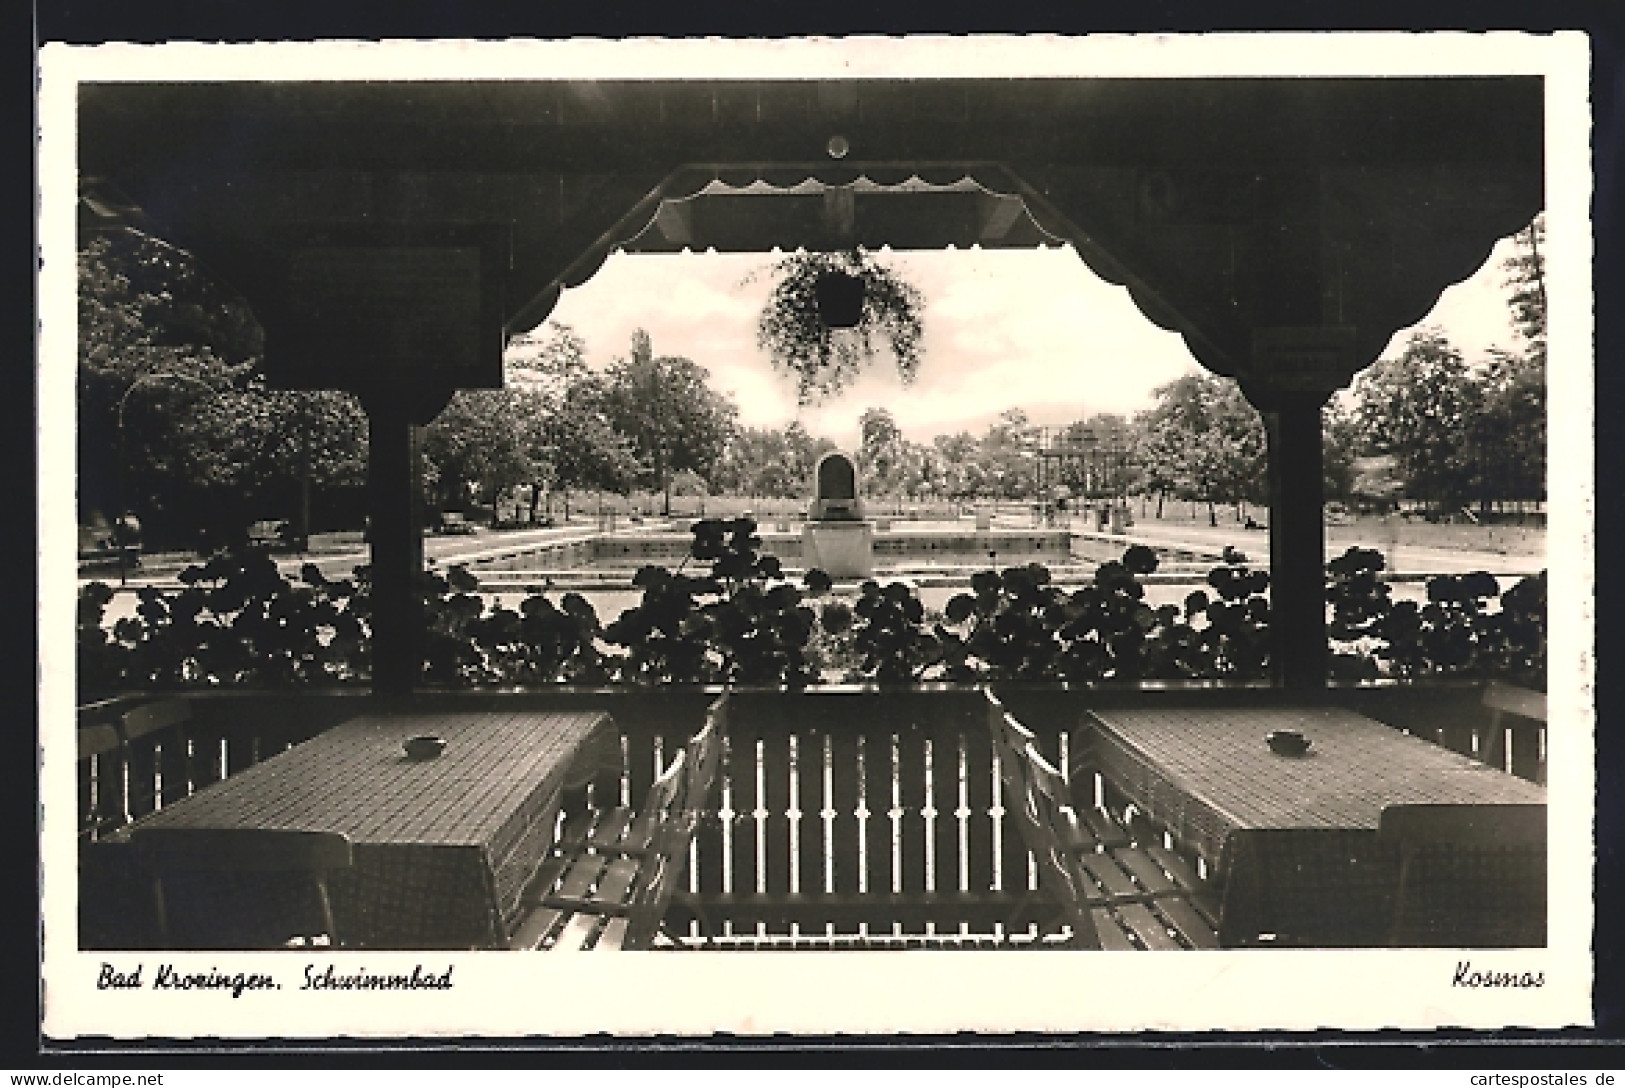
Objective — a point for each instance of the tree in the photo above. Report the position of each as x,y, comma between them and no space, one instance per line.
882,451
1006,461
1340,440
1376,482
544,369
957,459
175,425
1512,431
770,463
755,463
666,406
477,444
803,450
1421,408
1460,433
1204,441
584,449
1106,463
1526,276
546,362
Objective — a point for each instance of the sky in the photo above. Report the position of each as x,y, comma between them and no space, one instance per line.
1029,329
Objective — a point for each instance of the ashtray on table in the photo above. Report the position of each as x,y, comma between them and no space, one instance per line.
1287,742
424,747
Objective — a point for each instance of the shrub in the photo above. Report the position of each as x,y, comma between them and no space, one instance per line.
741,623
1359,604
1017,625
236,620
891,640
541,643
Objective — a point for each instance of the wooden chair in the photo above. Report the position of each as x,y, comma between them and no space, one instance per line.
1113,891
101,779
1139,898
1043,819
123,770
168,854
627,829
611,888
170,717
1469,875
585,896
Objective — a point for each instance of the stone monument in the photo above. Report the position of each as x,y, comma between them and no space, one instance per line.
836,539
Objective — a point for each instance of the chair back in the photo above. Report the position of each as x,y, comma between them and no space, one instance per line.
122,770
705,754
1010,740
96,739
1502,699
667,793
1043,822
671,821
155,717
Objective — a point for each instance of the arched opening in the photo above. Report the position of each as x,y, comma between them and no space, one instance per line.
382,232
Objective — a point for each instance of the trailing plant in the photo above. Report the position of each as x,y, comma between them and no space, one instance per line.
793,327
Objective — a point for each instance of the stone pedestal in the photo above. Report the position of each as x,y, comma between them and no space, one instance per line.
841,549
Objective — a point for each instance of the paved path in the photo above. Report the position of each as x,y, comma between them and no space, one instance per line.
1405,558
443,550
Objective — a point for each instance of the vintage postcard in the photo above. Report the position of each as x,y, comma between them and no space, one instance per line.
803,513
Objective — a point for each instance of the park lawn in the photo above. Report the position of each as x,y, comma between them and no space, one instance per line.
1503,539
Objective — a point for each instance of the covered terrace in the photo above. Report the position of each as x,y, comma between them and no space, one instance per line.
391,237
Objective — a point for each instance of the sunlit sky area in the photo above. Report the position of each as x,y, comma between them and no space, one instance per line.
1029,329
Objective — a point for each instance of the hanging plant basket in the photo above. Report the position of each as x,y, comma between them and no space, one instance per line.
840,299
829,313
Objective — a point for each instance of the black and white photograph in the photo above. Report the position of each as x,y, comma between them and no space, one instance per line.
808,511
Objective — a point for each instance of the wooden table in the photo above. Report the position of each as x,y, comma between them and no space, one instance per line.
442,847
1292,840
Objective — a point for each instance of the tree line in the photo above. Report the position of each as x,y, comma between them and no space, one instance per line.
177,427
1426,427
1444,432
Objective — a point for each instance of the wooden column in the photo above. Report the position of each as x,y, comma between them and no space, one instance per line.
1298,650
395,506
396,536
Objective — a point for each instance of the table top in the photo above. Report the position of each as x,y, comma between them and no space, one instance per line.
354,778
1354,769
